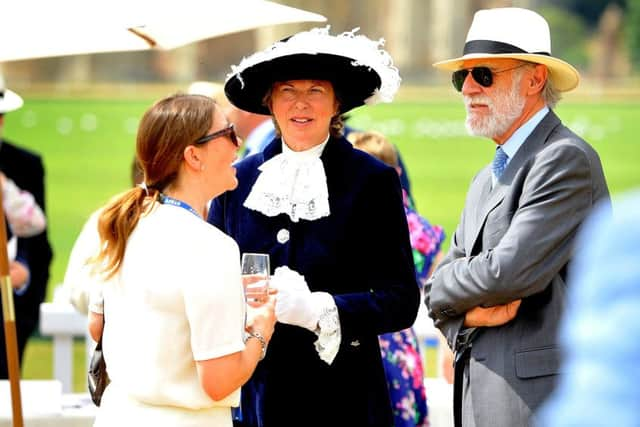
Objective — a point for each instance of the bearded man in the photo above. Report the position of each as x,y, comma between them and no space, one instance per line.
499,293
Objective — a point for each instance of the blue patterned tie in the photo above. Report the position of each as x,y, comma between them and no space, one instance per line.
499,162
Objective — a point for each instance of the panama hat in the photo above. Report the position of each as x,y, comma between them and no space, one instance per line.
515,33
359,69
9,100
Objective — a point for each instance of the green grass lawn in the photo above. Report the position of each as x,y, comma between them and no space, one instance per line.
38,362
87,146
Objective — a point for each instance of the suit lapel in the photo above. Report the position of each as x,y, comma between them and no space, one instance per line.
534,143
487,198
272,148
333,158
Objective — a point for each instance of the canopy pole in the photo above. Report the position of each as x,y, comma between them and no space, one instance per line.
9,315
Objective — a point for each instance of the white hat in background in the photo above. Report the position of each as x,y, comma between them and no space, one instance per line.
205,88
514,33
9,100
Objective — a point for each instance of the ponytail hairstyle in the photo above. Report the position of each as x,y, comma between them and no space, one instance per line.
165,131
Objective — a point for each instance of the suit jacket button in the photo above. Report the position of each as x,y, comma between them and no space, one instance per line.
283,236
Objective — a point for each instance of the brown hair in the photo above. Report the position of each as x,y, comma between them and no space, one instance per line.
165,130
375,144
336,126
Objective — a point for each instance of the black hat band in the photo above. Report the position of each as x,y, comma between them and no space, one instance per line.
495,48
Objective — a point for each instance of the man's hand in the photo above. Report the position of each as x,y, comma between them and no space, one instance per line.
491,316
19,274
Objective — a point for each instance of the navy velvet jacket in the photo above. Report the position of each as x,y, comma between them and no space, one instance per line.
361,255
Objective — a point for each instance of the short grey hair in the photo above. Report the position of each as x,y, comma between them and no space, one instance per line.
550,94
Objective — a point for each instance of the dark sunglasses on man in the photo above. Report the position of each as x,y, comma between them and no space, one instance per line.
482,75
228,131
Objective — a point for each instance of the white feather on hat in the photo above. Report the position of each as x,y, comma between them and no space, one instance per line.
356,64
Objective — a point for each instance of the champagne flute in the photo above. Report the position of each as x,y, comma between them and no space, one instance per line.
255,278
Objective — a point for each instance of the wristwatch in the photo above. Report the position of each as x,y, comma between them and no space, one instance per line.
259,337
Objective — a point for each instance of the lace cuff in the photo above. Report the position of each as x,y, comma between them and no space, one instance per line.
329,334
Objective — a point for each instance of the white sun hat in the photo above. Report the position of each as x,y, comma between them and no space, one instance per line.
359,69
9,100
515,33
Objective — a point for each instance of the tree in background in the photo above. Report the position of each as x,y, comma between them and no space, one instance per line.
590,11
570,35
633,32
609,58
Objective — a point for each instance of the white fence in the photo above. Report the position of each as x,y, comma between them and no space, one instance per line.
63,323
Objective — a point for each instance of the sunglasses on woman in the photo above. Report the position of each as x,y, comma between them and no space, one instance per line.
228,131
482,75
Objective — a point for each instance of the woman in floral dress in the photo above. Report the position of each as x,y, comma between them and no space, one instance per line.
400,350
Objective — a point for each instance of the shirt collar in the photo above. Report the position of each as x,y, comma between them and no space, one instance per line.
311,153
515,141
259,137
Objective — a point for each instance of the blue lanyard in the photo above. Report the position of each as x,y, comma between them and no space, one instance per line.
167,200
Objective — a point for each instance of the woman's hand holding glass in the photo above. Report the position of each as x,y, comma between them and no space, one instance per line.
262,318
255,278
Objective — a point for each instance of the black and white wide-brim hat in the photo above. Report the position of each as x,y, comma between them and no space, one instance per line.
9,100
515,33
359,69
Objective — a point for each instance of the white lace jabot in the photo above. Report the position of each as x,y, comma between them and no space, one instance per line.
293,183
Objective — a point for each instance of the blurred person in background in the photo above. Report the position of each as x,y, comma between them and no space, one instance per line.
178,338
315,204
499,293
24,216
405,182
401,353
30,268
80,277
600,330
255,130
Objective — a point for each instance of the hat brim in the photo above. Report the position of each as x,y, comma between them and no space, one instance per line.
352,83
563,75
10,101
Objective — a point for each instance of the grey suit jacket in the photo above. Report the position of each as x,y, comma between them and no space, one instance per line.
515,241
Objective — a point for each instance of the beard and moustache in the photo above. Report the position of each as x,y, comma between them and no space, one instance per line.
504,108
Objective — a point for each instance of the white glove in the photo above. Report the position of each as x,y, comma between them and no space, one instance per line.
295,303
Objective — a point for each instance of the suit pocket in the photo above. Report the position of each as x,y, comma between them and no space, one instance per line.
538,363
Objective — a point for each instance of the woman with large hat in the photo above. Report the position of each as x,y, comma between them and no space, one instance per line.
332,220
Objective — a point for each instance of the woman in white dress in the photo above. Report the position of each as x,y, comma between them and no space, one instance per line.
175,341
